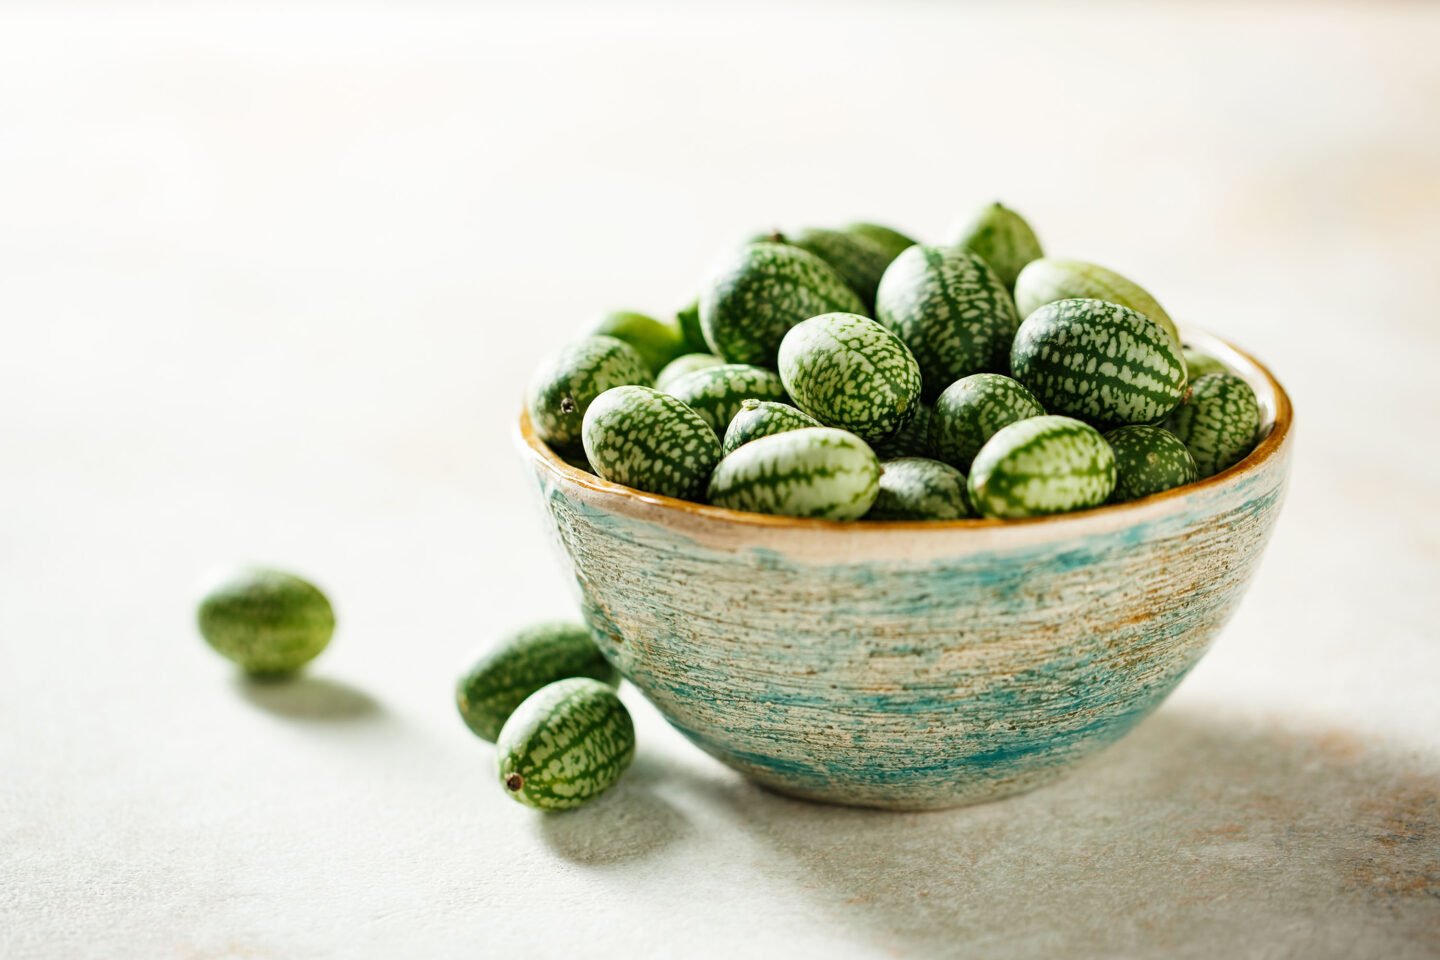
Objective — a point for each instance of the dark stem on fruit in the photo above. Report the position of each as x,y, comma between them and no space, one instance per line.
514,782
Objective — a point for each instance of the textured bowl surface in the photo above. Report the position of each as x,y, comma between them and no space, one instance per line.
915,665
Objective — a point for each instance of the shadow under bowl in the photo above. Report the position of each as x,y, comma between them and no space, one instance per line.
915,665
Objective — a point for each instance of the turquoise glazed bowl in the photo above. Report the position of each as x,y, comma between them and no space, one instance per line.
915,665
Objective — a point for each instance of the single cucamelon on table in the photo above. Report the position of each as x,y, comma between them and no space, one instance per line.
917,488
760,291
522,663
1049,279
859,260
717,392
892,241
848,371
1000,237
911,440
572,377
763,418
951,310
651,441
1198,364
972,410
1041,466
1148,460
657,343
1098,361
681,365
1218,422
565,744
815,472
268,622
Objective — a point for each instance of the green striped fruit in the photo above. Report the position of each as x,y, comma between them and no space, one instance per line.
566,743
911,440
1148,460
1000,237
522,663
1098,361
814,472
567,381
268,622
762,290
972,410
657,343
651,441
763,418
1040,466
1198,364
859,261
1218,422
951,310
850,372
1049,279
893,242
688,363
917,488
717,392
688,320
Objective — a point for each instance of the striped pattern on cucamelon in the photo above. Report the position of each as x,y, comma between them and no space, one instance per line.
1218,422
815,472
569,380
1049,279
651,441
566,743
522,663
717,392
848,371
1098,361
892,241
763,418
1000,237
972,410
762,290
951,310
859,260
1041,466
1148,460
917,488
687,363
911,440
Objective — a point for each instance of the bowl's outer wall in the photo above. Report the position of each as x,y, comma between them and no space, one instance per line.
904,668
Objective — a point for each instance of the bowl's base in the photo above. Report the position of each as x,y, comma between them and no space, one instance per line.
909,800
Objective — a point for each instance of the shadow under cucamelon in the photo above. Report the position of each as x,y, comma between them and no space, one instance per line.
307,698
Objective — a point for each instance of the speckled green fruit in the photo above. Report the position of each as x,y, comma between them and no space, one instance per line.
951,310
717,392
848,371
760,291
1199,364
911,440
816,472
763,418
565,744
892,241
688,320
1098,361
1218,422
651,441
1148,460
1000,237
917,488
1049,279
269,622
972,410
520,664
657,343
1041,466
568,381
688,363
859,260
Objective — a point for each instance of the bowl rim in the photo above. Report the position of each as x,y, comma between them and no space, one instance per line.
1271,395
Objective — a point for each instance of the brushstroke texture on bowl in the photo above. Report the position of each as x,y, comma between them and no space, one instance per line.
915,665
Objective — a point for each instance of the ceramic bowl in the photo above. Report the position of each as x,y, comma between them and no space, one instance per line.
915,665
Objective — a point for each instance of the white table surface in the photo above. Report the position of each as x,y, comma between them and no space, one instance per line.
272,277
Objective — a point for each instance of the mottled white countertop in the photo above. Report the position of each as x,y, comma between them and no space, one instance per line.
272,277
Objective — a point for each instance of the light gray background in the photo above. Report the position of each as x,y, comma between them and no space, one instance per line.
272,278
